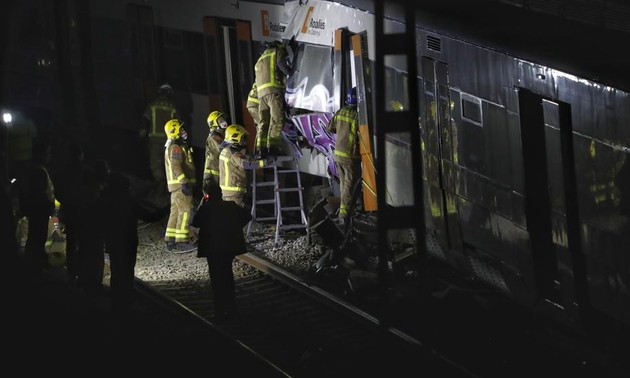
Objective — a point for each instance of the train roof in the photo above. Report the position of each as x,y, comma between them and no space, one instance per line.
590,50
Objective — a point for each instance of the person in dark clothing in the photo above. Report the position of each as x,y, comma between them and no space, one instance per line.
69,195
220,240
9,263
38,204
121,242
92,228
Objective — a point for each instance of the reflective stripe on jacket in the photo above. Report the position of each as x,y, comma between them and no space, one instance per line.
160,111
233,171
344,123
252,97
211,165
269,78
179,165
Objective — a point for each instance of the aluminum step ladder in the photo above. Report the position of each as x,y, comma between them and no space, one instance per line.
276,198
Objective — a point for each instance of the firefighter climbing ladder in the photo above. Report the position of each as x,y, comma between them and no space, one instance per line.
276,199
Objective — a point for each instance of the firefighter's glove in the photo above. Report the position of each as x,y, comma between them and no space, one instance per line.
186,190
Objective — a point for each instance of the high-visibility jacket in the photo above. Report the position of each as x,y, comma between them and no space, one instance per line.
269,68
178,162
158,112
252,97
232,170
345,124
211,164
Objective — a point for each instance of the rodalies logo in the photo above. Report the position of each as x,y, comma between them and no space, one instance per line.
269,27
311,25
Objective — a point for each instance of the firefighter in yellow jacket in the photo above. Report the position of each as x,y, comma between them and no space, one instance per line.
159,111
347,159
217,122
253,103
234,163
271,71
180,178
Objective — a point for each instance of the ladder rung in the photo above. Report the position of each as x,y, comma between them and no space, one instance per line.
290,190
268,183
292,226
294,208
276,201
264,202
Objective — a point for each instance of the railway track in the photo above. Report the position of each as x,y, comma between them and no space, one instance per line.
305,331
293,321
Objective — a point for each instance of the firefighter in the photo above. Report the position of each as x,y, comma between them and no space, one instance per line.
121,242
271,71
347,159
92,227
252,107
69,193
217,122
234,163
221,222
180,178
38,204
156,114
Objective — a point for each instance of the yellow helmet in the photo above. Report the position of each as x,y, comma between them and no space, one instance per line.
213,120
236,134
396,106
173,129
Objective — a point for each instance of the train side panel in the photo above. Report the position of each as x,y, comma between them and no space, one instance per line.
539,183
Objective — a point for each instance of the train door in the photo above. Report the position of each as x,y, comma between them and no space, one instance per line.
230,69
438,137
551,202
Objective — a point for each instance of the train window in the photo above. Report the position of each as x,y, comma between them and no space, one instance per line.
184,60
396,93
471,109
141,41
473,140
397,149
197,79
311,85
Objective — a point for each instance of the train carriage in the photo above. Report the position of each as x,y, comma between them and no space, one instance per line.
524,122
